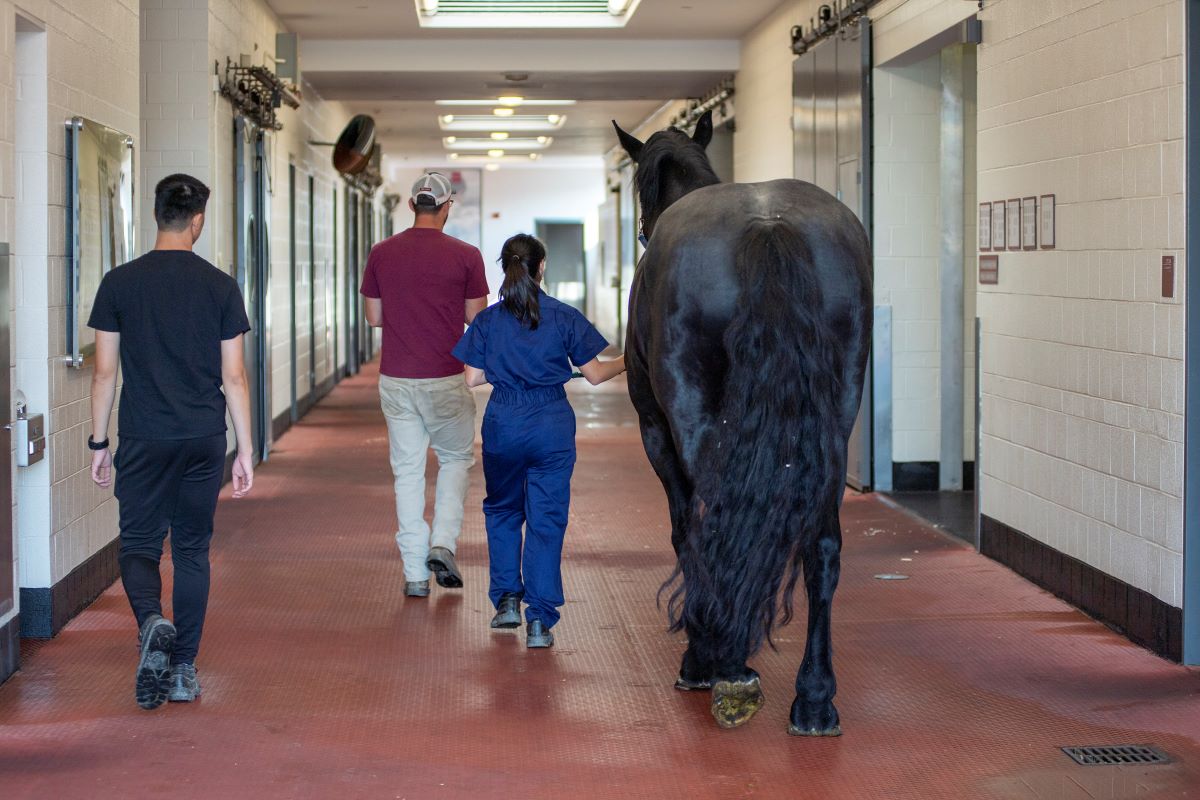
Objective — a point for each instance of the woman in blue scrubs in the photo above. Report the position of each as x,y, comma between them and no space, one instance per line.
525,346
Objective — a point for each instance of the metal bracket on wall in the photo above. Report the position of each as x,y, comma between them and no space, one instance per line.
256,92
829,19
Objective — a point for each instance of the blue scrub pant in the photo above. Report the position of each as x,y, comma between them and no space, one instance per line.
528,458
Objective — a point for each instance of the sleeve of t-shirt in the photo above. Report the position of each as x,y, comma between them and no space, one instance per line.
477,285
584,342
472,346
370,282
233,314
104,309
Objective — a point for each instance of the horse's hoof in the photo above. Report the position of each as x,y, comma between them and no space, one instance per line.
735,702
689,685
836,730
814,719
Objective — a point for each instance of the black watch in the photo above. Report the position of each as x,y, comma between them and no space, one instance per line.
92,445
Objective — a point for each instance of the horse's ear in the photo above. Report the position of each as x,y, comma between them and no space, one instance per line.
704,130
630,142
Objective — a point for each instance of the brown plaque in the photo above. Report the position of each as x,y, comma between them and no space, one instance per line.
989,269
1168,276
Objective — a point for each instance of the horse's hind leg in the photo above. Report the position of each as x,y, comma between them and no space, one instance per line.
813,713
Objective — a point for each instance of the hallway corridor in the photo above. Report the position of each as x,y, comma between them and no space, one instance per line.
321,680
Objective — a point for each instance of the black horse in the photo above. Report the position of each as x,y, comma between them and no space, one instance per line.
749,326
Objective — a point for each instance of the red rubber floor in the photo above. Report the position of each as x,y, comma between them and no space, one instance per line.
322,681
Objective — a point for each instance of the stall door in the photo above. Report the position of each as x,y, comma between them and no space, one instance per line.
251,207
832,148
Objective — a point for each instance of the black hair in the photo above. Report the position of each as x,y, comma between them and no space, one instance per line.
520,258
178,198
425,205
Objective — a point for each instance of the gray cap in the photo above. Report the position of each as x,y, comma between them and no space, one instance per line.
433,185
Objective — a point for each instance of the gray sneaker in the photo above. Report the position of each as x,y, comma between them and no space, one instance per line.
538,635
157,641
185,686
508,612
416,588
441,564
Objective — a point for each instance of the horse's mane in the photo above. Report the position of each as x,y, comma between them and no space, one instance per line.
674,147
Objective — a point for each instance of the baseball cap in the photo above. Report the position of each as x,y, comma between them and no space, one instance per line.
433,185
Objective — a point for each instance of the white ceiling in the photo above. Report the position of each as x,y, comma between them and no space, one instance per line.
373,56
397,19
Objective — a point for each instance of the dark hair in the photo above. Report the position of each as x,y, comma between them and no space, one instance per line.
425,205
520,258
178,198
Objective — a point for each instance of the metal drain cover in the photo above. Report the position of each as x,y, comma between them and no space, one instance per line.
1117,754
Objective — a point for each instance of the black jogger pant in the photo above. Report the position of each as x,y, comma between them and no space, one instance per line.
160,485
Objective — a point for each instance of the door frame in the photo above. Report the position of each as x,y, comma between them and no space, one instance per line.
1191,436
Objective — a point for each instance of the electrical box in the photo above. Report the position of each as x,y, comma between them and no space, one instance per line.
29,438
287,57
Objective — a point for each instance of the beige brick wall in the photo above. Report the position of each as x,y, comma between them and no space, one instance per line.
1082,357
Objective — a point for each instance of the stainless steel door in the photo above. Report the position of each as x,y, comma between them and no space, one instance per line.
7,588
831,93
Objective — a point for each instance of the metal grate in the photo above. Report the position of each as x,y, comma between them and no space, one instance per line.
1117,754
523,7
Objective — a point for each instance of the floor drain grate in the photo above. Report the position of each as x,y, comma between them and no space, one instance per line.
1117,754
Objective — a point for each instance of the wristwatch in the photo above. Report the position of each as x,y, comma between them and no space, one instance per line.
92,445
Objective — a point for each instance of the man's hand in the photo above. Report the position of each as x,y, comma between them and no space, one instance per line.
243,474
102,467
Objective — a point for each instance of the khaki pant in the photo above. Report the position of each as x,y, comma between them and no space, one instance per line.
437,412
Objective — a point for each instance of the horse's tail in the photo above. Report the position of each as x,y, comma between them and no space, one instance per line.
778,473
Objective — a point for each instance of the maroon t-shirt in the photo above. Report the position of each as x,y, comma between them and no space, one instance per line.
423,277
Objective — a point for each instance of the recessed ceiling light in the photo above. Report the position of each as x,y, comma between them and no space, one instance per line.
495,153
510,100
542,139
487,123
501,136
492,167
524,102
454,156
451,139
502,112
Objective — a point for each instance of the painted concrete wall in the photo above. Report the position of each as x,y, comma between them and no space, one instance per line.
1082,356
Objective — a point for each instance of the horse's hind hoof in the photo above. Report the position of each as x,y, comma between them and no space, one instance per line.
836,730
735,702
690,685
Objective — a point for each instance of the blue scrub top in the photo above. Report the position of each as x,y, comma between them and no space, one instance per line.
514,357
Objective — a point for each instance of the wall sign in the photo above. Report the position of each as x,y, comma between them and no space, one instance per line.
1029,237
1012,219
989,269
985,226
998,225
1046,207
1168,276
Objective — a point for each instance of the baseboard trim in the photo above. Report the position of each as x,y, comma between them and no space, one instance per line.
923,476
45,611
281,423
1136,614
10,647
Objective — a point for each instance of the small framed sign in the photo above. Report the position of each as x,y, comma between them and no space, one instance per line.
1029,235
1046,211
998,225
985,226
989,269
1012,220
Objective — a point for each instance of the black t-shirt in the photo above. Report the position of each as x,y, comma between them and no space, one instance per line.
172,309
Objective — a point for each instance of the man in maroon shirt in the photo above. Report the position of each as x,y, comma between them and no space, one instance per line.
421,286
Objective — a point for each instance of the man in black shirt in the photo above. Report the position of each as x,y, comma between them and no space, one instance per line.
175,323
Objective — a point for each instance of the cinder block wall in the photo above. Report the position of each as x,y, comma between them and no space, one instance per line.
1082,355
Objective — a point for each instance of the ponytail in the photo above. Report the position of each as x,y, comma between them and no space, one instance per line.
520,258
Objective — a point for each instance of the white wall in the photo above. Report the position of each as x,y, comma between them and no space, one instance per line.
513,199
1082,356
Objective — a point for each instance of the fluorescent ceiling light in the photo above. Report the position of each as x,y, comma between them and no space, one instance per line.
459,143
486,123
480,14
502,112
497,135
495,153
427,7
492,166
510,100
615,7
524,102
508,158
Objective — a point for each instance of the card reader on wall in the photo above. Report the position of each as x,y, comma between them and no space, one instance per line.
29,437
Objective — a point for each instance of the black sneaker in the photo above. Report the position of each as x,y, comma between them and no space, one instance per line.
538,635
185,686
441,564
157,639
508,612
